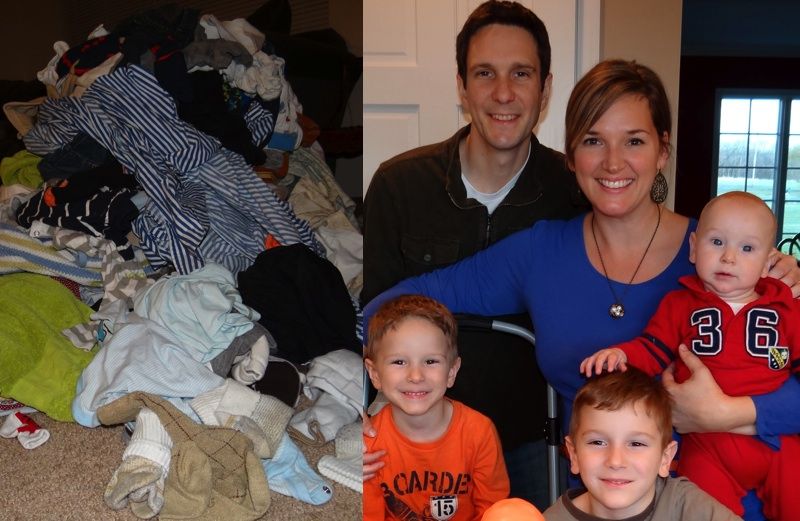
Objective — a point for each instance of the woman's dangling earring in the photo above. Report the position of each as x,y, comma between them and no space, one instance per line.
660,188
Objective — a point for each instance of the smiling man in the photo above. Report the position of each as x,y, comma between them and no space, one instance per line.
434,205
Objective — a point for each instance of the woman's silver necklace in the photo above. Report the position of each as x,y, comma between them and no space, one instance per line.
617,310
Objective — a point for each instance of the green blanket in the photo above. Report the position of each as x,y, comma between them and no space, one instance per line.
38,365
21,168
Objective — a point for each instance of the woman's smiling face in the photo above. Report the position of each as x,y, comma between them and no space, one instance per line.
617,159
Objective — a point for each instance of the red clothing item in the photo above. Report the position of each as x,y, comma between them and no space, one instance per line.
727,466
456,477
749,353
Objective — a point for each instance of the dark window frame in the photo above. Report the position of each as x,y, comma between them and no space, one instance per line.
785,97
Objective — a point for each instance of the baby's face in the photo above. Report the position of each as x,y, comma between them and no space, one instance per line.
731,248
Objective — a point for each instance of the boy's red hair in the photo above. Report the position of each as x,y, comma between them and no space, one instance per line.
612,391
392,313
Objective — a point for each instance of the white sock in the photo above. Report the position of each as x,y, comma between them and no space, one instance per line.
253,365
206,404
271,414
150,440
223,406
137,482
27,431
31,440
346,467
328,414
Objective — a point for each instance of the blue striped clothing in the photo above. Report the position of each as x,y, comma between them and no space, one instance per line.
206,204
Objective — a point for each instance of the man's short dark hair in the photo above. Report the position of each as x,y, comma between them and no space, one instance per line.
504,13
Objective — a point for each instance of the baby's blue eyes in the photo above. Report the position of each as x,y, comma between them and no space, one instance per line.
747,248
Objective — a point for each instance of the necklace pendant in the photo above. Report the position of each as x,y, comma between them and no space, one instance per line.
616,310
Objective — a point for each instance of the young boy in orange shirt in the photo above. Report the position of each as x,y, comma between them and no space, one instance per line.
443,460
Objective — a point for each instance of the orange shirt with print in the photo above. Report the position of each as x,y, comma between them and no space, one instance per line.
456,477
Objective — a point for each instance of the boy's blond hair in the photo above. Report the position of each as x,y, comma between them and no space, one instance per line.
613,391
392,313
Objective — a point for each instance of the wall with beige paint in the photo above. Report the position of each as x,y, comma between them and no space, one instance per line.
648,31
346,18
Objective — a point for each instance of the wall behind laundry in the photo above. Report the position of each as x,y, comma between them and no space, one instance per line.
26,41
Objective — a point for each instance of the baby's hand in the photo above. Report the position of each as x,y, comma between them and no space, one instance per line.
611,359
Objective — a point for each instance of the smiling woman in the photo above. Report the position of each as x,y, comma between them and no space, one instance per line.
614,160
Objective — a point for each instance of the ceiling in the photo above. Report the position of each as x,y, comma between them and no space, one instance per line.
741,28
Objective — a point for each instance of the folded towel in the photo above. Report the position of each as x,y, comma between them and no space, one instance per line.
35,310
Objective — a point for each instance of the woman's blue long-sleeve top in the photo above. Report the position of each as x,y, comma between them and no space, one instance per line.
546,272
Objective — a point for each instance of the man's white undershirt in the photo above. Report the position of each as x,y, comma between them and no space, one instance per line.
491,201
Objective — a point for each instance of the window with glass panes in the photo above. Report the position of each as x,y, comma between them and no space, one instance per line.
758,151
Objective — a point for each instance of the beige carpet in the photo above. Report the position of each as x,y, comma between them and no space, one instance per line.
64,479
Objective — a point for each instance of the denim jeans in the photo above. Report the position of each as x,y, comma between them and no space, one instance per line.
81,154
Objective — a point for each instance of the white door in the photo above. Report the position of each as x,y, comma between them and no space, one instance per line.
410,91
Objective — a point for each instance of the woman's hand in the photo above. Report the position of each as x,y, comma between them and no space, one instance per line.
701,406
372,460
785,268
